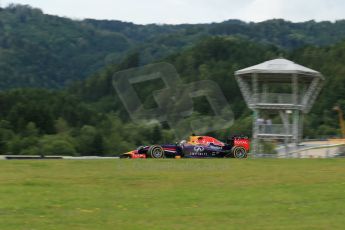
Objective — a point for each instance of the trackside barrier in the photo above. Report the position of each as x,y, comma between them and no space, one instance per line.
321,151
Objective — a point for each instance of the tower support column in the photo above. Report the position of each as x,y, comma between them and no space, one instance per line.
255,140
295,126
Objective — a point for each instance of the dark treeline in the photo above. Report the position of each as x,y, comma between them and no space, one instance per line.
39,50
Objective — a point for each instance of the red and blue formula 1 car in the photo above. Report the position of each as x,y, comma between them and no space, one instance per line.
196,147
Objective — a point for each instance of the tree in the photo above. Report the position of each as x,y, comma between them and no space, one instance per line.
58,147
6,135
90,142
156,135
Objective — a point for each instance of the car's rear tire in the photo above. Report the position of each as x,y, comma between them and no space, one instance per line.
156,151
239,152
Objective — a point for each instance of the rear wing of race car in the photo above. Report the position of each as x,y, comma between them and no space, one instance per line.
240,141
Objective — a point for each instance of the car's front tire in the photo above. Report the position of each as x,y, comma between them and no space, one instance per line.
156,151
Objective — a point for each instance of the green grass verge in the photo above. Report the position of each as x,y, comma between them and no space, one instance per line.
173,194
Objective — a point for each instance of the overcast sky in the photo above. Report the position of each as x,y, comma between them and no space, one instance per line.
191,11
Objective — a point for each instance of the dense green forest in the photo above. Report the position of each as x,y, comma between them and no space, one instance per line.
39,50
86,117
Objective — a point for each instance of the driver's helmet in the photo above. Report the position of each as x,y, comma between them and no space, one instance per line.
183,142
140,148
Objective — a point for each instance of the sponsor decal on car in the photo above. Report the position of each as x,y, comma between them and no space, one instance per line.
199,149
215,147
198,154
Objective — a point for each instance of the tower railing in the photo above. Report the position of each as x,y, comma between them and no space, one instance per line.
274,98
275,129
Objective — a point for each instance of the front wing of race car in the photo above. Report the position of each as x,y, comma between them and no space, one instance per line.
154,151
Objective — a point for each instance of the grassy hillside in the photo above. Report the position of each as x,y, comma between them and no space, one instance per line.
173,194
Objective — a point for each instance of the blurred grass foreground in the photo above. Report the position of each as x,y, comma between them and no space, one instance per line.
173,194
